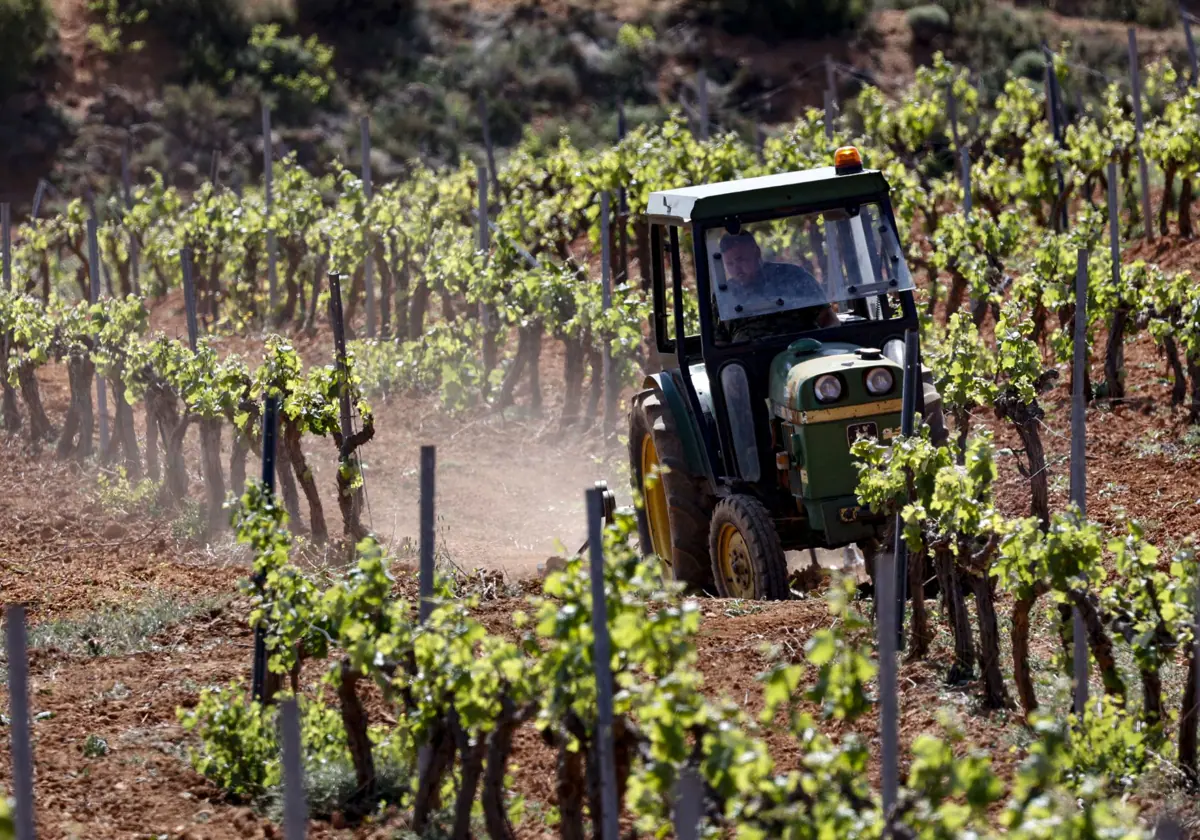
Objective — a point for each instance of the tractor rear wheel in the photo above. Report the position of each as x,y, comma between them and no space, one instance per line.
748,559
675,510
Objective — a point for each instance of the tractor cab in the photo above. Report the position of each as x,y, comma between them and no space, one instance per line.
781,306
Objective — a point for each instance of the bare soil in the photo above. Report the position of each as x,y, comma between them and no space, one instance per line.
507,490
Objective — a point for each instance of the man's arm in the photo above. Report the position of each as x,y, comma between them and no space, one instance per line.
808,289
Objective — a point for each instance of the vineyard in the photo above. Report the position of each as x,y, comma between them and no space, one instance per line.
462,288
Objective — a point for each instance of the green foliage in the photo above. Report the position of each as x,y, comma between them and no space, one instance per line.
8,831
928,22
1040,806
1030,64
239,745
298,70
117,494
963,366
106,33
94,746
209,32
1066,555
240,751
1109,744
27,40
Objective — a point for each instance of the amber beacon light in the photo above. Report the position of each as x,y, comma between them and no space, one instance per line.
847,160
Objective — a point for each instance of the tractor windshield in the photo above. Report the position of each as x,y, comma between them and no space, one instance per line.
804,272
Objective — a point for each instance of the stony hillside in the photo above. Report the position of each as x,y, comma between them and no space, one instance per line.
176,81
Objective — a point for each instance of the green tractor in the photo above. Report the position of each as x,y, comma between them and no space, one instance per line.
781,339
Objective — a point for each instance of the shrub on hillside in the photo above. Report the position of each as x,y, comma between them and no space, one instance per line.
1155,13
208,32
299,71
1030,64
26,39
783,18
927,22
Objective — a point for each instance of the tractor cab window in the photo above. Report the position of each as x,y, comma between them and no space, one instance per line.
803,272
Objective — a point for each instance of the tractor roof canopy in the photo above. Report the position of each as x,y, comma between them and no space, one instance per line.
764,194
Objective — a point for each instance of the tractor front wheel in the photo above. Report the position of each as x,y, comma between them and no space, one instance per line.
747,557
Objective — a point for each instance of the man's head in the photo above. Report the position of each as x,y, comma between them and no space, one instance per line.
741,257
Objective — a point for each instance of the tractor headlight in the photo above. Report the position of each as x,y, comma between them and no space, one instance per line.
828,388
879,381
894,350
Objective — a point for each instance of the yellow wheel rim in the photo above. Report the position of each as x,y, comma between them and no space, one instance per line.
733,556
654,496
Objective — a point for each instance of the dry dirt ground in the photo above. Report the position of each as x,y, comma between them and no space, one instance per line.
507,490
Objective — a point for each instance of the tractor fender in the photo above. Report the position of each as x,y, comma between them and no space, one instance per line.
668,384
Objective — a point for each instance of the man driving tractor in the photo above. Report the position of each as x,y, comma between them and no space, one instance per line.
751,281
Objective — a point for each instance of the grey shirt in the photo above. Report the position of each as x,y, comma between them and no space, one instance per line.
792,292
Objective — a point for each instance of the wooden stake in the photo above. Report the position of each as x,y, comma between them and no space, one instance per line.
269,185
1078,459
602,658
16,648
369,261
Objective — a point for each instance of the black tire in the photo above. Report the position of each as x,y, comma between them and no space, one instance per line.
768,566
689,502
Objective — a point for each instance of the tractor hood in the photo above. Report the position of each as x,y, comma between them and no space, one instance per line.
817,435
794,374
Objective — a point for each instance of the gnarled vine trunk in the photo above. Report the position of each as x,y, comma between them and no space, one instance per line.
529,340
956,610
1188,713
304,477
1179,381
355,723
214,479
152,467
10,414
495,814
570,790
237,464
351,498
573,366
39,423
1168,197
1114,354
438,756
386,284
471,757
1099,643
1022,607
596,363
995,693
124,433
1193,366
287,486
1025,420
80,422
919,633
